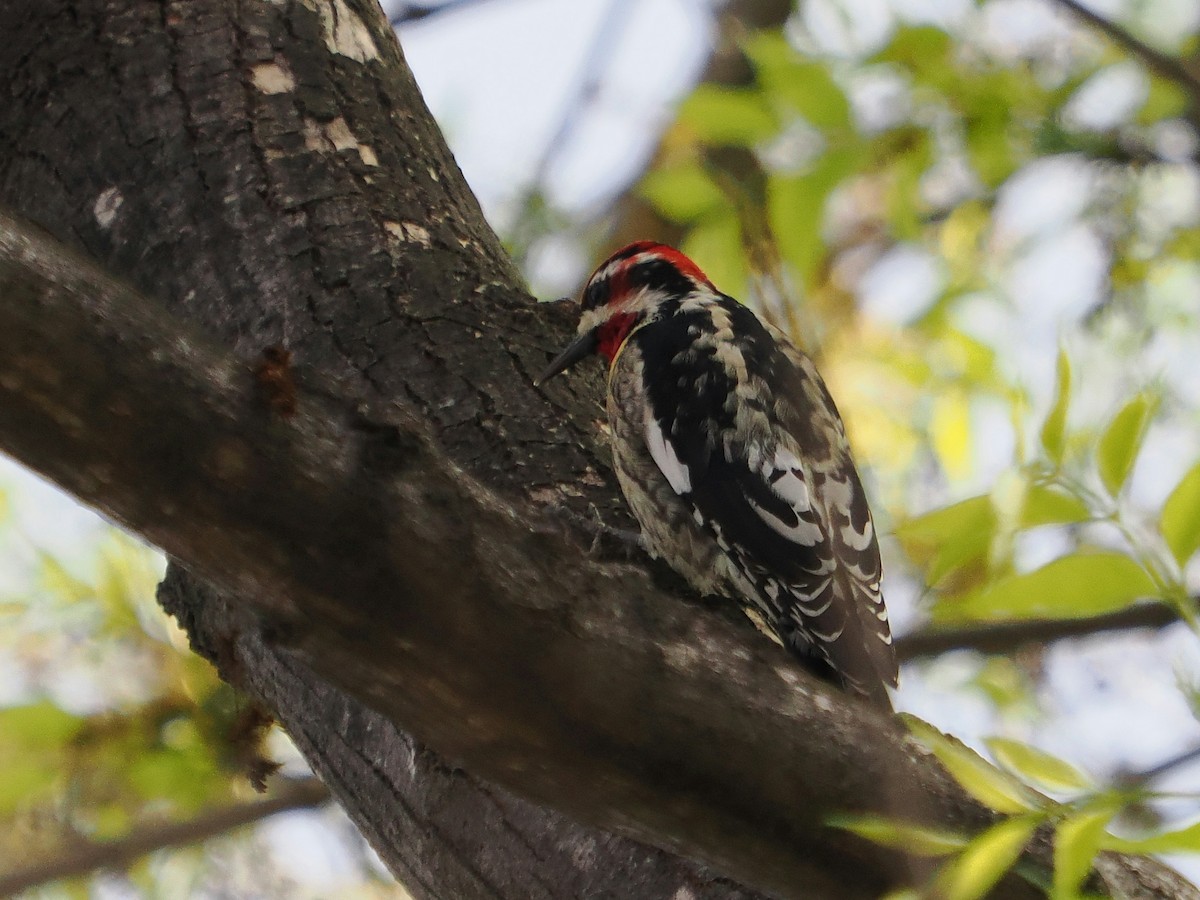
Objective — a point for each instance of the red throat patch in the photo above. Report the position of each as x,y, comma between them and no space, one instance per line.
612,335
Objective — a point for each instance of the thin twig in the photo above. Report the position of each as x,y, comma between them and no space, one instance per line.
587,89
1140,779
413,12
117,854
1160,63
998,637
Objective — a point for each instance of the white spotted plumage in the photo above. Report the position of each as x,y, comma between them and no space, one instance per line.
734,461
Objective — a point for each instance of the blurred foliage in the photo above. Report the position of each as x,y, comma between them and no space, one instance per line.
912,199
108,722
1078,819
869,189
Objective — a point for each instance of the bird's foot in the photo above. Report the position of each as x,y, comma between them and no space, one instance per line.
607,542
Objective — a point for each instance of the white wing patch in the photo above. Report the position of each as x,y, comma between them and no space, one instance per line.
841,496
677,473
784,472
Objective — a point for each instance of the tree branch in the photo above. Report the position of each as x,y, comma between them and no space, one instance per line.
1001,637
1156,61
269,170
83,859
583,689
394,574
415,12
634,218
1155,772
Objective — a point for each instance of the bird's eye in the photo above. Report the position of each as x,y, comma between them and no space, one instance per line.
595,295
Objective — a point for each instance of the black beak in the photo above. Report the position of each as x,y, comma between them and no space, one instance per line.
580,348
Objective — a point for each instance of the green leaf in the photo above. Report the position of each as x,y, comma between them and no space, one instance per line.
989,145
1044,771
1181,840
950,432
922,51
1075,586
38,726
949,539
911,159
796,208
59,583
1048,505
187,778
26,778
986,859
32,741
681,193
983,781
717,239
738,117
806,87
1164,100
910,837
1119,445
1054,428
1077,840
1180,522
1004,682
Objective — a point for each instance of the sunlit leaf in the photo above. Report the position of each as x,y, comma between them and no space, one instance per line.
1075,586
25,778
1036,766
716,240
950,432
1180,522
738,117
986,859
681,193
1164,100
957,537
922,51
908,836
59,583
1054,428
807,87
912,154
796,208
1003,681
39,725
108,821
1119,445
983,781
1077,840
1180,840
989,146
33,739
186,778
950,538
1047,505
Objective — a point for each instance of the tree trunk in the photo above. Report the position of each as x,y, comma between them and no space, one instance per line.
268,171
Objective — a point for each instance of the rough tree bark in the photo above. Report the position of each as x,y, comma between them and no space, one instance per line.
267,170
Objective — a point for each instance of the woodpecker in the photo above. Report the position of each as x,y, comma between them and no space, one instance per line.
732,457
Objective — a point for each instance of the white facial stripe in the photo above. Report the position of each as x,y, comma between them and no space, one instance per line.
643,301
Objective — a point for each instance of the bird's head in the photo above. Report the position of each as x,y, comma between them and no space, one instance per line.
637,284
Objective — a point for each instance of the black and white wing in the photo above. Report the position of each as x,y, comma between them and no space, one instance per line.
758,454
